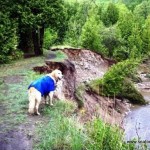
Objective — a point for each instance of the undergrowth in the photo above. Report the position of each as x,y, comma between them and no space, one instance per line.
116,83
62,129
65,132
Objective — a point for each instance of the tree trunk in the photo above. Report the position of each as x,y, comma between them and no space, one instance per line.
41,37
37,41
25,41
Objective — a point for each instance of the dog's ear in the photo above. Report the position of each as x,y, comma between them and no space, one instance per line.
53,74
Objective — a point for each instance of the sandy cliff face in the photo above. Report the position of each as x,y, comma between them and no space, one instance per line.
80,67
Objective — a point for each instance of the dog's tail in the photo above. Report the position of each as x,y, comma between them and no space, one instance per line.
32,100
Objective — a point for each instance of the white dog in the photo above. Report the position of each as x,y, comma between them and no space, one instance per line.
42,87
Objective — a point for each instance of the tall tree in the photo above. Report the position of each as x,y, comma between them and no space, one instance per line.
8,35
125,24
91,37
33,17
146,37
77,15
135,42
111,15
142,10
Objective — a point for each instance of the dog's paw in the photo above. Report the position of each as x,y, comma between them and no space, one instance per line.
51,104
38,114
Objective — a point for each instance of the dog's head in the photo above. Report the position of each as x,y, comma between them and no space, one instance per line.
57,74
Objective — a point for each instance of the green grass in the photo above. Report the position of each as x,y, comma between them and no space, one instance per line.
59,56
63,131
60,128
14,81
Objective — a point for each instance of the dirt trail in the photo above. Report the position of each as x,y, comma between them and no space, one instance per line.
16,133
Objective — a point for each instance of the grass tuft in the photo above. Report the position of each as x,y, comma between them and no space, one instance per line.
63,131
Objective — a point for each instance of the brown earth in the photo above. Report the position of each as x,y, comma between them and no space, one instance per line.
81,67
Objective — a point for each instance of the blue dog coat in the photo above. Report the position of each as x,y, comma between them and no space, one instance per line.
44,85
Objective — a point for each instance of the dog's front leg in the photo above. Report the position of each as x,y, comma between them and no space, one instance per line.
51,98
45,99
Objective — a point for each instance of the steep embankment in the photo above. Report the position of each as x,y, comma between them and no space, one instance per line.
79,67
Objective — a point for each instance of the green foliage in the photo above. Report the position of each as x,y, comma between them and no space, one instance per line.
131,4
113,83
33,17
90,36
142,10
49,38
135,42
64,131
105,137
61,132
121,53
146,37
77,14
125,33
128,91
113,80
111,38
9,40
125,24
111,16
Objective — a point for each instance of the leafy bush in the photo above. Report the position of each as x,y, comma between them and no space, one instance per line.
9,40
111,38
121,53
111,15
49,38
113,82
90,36
104,137
77,15
128,91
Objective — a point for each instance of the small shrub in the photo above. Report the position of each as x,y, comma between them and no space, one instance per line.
79,95
105,137
90,36
114,82
49,38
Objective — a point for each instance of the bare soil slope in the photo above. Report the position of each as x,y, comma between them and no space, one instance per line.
81,67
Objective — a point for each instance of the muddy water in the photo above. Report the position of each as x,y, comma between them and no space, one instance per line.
137,122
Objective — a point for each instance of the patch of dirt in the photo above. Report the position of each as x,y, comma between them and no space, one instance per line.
13,79
15,140
21,137
81,67
111,111
88,65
